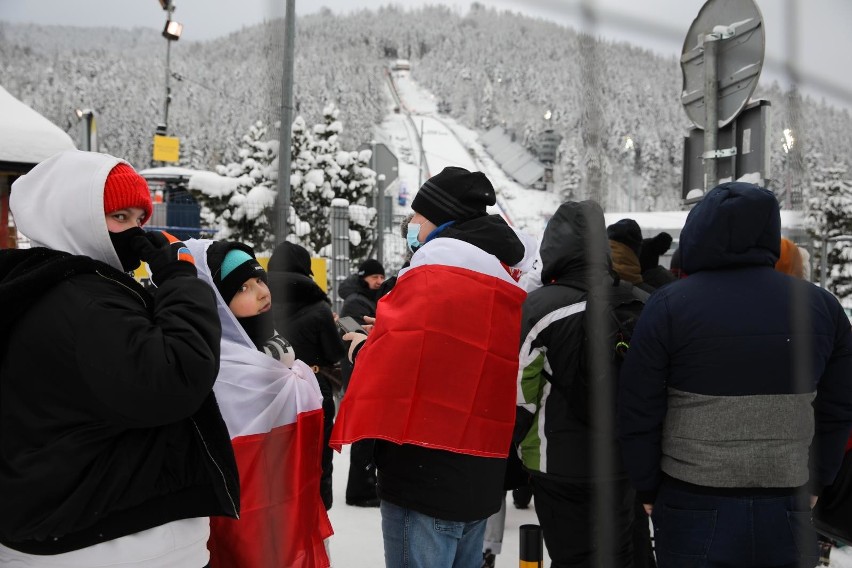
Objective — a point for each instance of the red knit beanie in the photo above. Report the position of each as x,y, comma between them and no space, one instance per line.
125,188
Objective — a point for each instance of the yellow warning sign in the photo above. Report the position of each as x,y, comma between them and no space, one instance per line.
166,148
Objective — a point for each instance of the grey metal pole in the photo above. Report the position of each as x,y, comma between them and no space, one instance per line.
282,204
711,121
168,88
420,179
380,218
340,267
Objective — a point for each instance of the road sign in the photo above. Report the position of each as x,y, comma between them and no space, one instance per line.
738,32
748,133
166,148
384,162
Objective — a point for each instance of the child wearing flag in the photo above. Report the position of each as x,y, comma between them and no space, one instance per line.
272,406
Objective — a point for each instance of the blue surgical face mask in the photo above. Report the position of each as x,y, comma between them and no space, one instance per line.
411,236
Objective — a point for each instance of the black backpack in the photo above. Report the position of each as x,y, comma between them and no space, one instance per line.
618,308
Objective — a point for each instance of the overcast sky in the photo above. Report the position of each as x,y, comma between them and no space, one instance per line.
821,31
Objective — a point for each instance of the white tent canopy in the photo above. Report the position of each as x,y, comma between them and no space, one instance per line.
25,135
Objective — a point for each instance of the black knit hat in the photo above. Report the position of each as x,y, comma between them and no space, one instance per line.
652,249
369,267
627,232
455,194
231,264
290,257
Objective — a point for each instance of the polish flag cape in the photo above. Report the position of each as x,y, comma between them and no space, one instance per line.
274,416
440,366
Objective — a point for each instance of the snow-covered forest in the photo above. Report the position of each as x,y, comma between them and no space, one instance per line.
489,68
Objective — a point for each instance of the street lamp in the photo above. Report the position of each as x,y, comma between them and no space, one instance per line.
789,141
90,132
171,32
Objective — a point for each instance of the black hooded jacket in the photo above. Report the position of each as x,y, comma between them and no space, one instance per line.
576,277
302,314
108,425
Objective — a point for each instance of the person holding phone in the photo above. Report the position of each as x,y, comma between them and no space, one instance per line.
361,292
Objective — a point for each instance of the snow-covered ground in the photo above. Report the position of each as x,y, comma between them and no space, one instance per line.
448,143
357,540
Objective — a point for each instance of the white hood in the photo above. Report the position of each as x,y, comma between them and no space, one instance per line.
231,328
256,393
59,204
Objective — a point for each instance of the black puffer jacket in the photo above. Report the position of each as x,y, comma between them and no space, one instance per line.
762,357
108,423
303,315
358,301
553,423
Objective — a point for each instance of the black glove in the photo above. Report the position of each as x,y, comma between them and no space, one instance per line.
166,256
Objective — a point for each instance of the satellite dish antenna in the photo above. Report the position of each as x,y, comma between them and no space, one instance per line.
736,28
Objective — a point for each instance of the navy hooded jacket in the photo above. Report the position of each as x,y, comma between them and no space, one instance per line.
738,377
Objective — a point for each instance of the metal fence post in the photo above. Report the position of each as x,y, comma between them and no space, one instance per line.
340,267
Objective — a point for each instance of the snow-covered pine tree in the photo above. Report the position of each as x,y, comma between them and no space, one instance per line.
348,176
243,209
355,183
829,214
310,199
569,170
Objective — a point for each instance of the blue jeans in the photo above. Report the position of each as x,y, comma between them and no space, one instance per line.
415,540
695,530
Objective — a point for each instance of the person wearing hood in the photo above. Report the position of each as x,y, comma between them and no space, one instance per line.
653,274
302,313
734,399
625,242
434,382
113,451
557,433
272,406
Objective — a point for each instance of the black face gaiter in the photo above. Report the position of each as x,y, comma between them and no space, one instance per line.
259,328
121,243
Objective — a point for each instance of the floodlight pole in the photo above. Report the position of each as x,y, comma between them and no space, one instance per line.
282,205
168,87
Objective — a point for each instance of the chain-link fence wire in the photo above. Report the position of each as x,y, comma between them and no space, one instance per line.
592,68
606,462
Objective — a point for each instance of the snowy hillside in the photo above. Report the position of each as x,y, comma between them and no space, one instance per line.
486,68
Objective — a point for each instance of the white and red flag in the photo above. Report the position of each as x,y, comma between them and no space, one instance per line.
275,420
440,366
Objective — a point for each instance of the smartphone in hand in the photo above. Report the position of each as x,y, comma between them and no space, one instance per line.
347,324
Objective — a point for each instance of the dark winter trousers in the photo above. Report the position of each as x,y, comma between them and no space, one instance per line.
567,515
713,531
361,487
328,411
